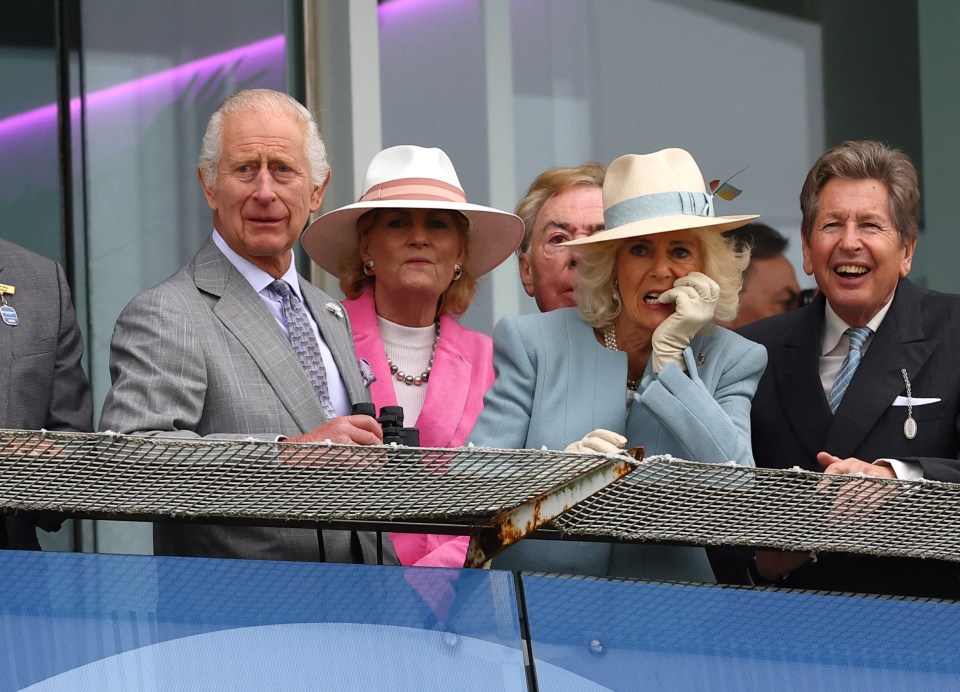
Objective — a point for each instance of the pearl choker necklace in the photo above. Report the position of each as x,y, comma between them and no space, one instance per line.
421,379
610,342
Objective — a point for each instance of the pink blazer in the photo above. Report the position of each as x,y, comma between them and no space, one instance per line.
462,373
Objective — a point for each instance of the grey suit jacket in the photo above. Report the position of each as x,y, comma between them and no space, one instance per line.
200,355
42,383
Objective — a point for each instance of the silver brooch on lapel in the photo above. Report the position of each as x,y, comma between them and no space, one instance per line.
335,308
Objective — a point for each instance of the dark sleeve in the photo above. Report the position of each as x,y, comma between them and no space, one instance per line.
934,469
70,403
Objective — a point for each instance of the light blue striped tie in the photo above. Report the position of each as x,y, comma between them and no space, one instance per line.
858,337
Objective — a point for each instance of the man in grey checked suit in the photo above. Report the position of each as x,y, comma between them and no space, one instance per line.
42,383
207,353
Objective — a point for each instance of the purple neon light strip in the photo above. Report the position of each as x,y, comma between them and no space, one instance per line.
393,8
172,78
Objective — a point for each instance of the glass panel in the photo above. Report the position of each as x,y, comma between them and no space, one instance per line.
29,176
647,635
132,622
596,80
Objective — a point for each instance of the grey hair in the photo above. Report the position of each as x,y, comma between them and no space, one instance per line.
262,101
599,303
862,160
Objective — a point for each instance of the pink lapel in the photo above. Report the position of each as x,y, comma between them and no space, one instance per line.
369,346
452,404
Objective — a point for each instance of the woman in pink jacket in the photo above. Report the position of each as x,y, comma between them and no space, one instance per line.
408,255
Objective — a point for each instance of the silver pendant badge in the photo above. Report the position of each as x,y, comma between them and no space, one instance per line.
909,425
910,428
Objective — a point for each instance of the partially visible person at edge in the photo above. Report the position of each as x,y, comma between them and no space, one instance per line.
650,287
897,413
408,255
562,204
42,380
237,344
769,282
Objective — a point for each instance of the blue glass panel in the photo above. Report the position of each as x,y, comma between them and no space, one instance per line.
76,621
646,635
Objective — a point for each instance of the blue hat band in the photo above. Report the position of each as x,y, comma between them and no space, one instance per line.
656,205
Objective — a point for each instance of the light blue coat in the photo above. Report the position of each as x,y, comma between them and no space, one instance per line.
555,384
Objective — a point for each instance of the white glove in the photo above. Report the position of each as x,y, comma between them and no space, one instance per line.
599,441
696,298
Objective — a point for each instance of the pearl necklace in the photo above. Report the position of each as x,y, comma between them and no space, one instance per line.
610,342
610,338
421,379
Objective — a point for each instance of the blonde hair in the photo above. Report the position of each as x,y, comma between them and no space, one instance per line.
455,299
599,303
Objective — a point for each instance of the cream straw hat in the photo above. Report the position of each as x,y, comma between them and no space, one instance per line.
411,177
660,192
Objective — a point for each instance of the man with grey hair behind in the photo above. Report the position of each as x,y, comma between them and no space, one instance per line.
562,204
238,345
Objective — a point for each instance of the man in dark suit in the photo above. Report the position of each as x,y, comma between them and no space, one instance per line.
865,379
42,382
238,345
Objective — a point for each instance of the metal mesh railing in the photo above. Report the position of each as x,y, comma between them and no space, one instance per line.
670,500
110,476
664,499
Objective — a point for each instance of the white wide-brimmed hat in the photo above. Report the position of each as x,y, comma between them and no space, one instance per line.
411,177
660,192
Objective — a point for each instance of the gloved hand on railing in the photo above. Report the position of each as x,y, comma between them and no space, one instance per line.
599,441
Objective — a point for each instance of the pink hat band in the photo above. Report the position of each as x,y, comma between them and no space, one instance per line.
414,188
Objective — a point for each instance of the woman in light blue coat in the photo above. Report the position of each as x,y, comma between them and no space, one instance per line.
639,361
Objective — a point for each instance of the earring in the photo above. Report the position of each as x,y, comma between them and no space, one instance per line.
457,271
368,267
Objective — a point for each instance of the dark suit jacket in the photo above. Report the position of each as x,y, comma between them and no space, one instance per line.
42,383
791,421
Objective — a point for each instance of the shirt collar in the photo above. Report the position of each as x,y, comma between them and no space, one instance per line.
254,275
834,327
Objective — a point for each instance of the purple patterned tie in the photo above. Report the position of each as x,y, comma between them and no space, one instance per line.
304,343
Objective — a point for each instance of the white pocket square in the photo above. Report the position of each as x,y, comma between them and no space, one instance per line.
913,401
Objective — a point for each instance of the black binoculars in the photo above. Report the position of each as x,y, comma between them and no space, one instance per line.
391,422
